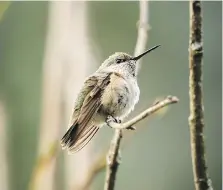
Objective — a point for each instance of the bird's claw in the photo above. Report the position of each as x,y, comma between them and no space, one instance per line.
117,120
112,119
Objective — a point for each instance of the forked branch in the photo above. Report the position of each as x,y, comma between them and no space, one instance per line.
113,154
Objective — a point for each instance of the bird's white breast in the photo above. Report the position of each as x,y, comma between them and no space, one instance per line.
134,93
120,96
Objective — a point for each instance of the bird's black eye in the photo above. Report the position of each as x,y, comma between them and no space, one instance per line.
119,60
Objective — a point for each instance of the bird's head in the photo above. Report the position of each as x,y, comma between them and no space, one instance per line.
123,60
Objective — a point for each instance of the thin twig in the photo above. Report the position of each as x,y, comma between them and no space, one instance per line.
196,119
113,160
147,112
113,154
143,28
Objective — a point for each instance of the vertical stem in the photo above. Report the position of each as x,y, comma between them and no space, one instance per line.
196,119
113,160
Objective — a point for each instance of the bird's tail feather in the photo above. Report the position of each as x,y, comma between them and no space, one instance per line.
69,136
74,139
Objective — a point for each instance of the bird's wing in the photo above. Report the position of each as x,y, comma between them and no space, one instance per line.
86,106
88,86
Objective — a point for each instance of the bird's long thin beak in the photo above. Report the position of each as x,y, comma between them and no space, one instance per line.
141,55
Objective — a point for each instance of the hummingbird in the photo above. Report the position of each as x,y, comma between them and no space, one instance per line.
107,96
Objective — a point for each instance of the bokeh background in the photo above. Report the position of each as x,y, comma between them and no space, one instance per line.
77,37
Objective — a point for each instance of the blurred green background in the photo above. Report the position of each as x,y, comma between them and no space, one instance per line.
157,157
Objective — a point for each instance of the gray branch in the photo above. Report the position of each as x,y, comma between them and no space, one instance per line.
113,160
196,119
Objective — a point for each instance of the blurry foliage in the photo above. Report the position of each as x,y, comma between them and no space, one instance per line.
22,35
3,7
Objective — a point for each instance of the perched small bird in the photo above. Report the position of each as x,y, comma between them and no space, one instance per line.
108,95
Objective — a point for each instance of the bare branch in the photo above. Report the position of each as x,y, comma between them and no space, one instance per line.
113,154
113,160
149,111
196,119
143,28
100,163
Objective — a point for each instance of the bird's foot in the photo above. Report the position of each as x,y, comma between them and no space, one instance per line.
115,123
110,120
118,120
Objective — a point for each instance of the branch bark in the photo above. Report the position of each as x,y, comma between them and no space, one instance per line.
196,118
113,160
